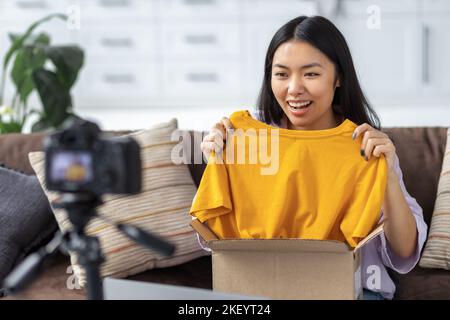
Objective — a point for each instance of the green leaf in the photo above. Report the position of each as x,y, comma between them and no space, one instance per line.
19,41
42,38
26,87
27,60
13,36
10,127
55,98
68,61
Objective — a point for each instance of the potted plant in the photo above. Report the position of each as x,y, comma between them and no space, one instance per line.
38,66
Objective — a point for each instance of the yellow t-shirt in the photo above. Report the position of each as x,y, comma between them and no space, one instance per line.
310,184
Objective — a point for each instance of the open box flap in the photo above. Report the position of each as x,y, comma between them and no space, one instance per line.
203,230
277,245
370,236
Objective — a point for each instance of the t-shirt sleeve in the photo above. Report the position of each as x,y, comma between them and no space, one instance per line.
213,195
364,210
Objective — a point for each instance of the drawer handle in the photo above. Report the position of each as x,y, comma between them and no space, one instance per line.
32,4
202,77
119,78
425,54
117,42
200,39
199,2
114,3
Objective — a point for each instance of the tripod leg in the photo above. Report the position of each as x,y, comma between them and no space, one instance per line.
94,283
90,257
30,267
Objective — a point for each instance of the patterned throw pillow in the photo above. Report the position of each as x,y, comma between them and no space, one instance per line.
161,208
437,248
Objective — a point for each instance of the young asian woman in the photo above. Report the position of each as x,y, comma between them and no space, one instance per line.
310,83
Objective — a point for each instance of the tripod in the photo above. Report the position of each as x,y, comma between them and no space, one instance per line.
81,208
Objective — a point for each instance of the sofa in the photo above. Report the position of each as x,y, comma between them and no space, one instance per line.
420,150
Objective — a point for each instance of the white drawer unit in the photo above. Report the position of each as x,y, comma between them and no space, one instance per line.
200,10
363,8
435,66
118,84
386,60
114,9
17,10
277,10
198,41
119,41
202,80
438,7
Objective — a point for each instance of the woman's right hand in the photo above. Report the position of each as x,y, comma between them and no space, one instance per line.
215,140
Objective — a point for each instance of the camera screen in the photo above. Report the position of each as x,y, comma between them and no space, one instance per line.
71,166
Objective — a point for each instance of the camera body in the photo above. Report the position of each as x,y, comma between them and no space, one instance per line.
80,158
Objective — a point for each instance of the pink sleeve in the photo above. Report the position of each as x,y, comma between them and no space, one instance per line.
389,257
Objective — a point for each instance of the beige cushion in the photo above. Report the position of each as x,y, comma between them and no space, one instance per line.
161,208
437,248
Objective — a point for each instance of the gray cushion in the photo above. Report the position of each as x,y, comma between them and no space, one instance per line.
26,220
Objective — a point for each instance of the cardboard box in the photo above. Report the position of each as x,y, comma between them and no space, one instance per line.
286,268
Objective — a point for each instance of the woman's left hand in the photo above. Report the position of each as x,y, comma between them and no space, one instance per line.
374,143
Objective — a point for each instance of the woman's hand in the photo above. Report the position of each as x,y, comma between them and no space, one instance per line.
374,143
215,140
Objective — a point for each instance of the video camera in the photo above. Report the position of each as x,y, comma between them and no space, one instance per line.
80,158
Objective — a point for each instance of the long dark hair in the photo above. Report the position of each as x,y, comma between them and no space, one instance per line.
349,99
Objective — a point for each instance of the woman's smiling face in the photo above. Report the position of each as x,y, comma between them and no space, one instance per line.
304,81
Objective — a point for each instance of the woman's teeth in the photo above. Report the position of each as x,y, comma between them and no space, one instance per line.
299,105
